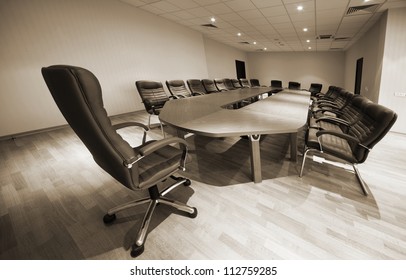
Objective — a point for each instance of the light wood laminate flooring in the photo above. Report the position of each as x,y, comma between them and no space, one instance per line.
53,197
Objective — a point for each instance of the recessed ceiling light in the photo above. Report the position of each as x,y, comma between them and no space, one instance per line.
212,19
309,48
265,49
300,8
307,41
305,29
255,43
238,34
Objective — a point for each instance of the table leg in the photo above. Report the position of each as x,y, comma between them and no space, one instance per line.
293,146
255,158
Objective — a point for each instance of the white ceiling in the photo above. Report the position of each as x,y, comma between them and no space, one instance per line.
276,25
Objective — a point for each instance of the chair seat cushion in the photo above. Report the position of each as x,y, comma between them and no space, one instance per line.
158,165
331,144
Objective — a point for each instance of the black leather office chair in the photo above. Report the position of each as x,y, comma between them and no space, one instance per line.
228,83
153,97
294,85
245,83
236,83
220,85
276,86
178,89
209,85
354,144
255,83
196,87
78,95
315,88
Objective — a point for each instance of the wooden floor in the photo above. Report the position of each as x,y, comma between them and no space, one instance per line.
53,197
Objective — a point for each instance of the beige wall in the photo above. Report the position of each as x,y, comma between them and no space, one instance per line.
394,67
383,48
221,59
326,68
371,48
117,42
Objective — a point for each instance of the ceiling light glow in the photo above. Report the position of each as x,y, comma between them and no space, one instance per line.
300,8
212,19
238,34
305,29
307,41
255,43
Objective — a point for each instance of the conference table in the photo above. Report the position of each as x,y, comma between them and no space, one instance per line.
241,112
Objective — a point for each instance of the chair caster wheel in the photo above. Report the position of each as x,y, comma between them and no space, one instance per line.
194,214
137,250
187,183
108,219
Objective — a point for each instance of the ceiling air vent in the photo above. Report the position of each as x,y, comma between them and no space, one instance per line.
342,39
324,37
209,25
366,9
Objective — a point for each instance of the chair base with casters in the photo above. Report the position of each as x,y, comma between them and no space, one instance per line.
155,197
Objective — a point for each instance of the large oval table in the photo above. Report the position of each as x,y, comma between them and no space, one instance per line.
219,115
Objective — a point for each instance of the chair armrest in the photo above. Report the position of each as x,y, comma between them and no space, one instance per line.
338,134
156,145
333,120
344,136
128,124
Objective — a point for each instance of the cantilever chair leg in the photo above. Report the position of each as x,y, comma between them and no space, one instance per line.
160,125
154,199
354,165
303,161
361,181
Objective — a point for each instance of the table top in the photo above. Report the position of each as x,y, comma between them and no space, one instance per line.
284,112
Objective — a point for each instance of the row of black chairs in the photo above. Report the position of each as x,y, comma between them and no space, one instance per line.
345,127
154,96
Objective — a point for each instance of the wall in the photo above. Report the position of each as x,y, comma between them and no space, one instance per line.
326,68
371,48
221,59
117,42
394,67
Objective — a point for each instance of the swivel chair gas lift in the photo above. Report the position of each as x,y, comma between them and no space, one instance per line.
78,95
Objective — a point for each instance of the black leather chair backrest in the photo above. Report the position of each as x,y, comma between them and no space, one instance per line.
220,84
209,85
294,85
315,88
229,85
276,83
178,87
375,123
354,110
78,95
196,86
255,83
245,83
152,94
236,83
